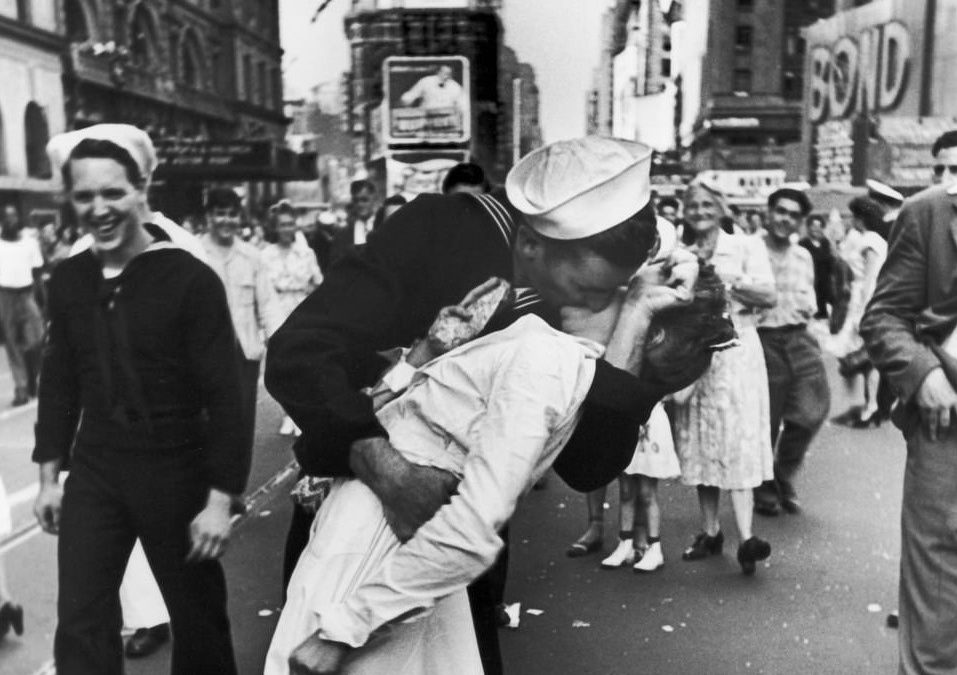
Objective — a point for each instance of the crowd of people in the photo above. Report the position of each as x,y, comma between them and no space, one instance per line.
572,321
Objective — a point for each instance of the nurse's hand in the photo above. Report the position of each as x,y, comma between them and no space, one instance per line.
315,656
410,494
210,529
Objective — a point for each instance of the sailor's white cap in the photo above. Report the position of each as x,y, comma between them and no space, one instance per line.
880,190
577,188
132,139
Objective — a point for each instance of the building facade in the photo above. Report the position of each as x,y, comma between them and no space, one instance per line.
743,87
880,90
32,105
431,85
191,73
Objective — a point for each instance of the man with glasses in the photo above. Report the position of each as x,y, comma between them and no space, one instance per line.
800,397
945,158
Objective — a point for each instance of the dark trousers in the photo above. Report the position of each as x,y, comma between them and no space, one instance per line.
111,497
800,399
928,581
484,593
249,381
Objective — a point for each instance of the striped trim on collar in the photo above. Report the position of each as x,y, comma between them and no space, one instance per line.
525,297
500,216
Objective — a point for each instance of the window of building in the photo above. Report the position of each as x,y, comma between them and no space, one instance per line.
262,85
3,149
276,88
745,5
37,137
247,78
743,39
742,80
142,38
77,27
23,11
192,76
666,67
791,85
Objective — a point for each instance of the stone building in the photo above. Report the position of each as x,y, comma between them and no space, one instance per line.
194,74
31,107
743,88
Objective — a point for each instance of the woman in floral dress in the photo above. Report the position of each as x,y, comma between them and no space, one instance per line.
722,422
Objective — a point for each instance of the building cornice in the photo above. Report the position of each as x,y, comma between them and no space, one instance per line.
35,37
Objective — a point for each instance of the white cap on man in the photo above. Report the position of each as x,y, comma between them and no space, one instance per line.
883,192
578,188
132,139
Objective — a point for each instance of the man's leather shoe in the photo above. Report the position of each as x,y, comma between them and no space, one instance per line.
145,641
769,509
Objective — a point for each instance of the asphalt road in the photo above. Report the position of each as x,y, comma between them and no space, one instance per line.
817,606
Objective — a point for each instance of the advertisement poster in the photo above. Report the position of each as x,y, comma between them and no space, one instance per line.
427,99
411,174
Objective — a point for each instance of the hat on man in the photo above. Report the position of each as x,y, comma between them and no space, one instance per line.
577,188
883,193
132,139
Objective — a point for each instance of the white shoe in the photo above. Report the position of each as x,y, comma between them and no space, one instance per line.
623,555
651,560
288,427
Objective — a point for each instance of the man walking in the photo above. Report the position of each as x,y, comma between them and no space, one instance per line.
21,283
359,221
909,332
141,347
250,293
800,396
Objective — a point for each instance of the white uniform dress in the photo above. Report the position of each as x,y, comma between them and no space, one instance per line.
495,412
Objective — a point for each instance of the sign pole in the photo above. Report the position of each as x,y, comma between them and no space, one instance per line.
516,120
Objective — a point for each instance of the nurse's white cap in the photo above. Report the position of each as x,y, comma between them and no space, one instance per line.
577,188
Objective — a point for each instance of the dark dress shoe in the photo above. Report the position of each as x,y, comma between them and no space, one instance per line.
146,641
769,509
703,546
750,552
11,616
582,548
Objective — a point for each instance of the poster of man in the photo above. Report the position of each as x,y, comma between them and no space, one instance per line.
428,99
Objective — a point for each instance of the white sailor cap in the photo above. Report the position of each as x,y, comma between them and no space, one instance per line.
577,188
132,139
879,190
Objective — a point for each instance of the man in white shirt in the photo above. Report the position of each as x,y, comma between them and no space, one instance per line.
249,292
21,265
434,92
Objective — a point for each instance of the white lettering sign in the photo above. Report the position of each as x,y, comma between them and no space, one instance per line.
867,73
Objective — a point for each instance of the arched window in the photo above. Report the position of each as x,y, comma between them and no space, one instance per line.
192,71
77,25
37,136
142,37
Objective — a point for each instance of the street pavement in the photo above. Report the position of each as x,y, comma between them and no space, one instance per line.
818,605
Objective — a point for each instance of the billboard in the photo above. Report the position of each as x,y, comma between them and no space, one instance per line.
414,173
427,100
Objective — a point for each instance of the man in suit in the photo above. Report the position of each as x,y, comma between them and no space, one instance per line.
360,220
912,313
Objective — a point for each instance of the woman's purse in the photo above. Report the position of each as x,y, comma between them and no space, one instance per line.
854,363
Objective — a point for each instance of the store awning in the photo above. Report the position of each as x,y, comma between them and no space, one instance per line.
232,160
